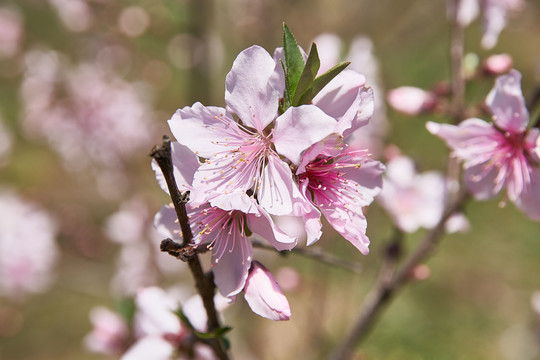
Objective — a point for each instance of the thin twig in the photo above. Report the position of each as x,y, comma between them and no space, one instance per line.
204,283
316,254
387,283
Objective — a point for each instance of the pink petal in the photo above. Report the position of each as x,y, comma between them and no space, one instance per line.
482,182
278,193
248,91
358,114
351,224
299,128
367,180
264,296
347,99
507,103
150,347
237,200
529,199
185,164
156,312
472,140
410,100
263,225
231,267
166,223
204,129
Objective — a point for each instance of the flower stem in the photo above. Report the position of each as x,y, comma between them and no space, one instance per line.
389,282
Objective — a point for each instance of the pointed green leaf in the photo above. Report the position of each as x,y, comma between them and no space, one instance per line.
320,82
294,61
287,101
308,75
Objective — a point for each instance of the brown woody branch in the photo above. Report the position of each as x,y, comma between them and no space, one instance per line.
203,282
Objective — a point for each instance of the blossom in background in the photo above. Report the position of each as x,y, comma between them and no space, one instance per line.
363,61
75,15
498,64
160,335
110,332
339,183
220,226
416,200
264,296
140,262
411,100
11,23
502,154
28,251
102,123
495,16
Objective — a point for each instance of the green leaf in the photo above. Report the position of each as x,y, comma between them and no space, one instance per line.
294,62
308,75
216,334
320,82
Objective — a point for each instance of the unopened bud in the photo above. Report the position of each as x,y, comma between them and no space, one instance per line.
264,296
498,64
411,100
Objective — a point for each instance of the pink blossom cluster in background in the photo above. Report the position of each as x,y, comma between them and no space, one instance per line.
157,331
28,249
259,163
139,263
495,14
416,200
101,123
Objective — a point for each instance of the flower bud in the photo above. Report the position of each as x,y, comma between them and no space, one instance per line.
264,296
498,64
411,100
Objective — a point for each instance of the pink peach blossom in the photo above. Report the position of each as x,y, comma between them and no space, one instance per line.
220,226
502,154
245,154
338,183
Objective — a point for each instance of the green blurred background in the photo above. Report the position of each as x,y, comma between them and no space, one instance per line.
476,303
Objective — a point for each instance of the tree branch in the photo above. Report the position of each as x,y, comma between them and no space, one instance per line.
316,254
204,283
389,282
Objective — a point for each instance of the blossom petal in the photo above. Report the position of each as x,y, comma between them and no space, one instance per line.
166,223
482,181
248,92
299,128
507,103
366,180
237,200
150,347
204,129
278,193
350,223
264,296
347,99
185,164
156,312
473,140
231,265
264,226
529,199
